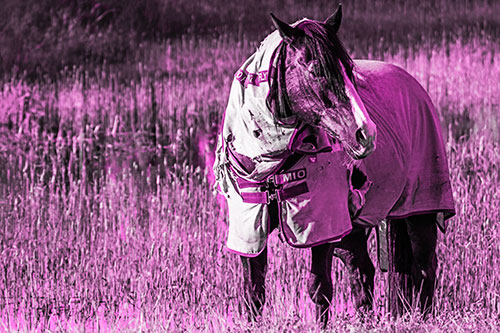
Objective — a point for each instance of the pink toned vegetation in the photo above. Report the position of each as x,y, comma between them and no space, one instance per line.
108,221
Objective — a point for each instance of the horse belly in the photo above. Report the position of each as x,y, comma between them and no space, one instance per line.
388,175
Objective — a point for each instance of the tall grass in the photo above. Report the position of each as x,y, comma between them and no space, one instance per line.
109,223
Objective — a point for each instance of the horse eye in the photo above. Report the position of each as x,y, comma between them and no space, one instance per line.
307,56
314,68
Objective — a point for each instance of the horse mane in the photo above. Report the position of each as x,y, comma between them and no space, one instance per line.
323,45
277,100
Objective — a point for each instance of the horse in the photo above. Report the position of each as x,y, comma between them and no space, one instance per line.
284,125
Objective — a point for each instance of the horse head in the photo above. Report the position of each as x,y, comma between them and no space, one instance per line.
315,83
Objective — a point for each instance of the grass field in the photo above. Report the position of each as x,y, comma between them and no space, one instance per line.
108,221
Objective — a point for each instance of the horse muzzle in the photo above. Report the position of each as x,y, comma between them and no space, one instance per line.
360,154
365,138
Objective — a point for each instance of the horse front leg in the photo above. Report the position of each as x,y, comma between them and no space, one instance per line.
353,252
320,281
254,281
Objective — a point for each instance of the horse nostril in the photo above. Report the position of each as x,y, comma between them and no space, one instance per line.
361,136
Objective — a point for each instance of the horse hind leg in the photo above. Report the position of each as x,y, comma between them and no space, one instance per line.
254,280
400,259
422,232
353,252
412,251
320,281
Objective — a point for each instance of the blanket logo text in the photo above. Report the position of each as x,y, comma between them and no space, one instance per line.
290,176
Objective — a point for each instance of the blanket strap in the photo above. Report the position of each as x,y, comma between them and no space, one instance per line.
265,197
272,187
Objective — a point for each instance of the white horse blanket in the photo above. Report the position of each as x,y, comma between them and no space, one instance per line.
252,147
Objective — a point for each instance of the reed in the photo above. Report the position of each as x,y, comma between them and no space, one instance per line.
109,223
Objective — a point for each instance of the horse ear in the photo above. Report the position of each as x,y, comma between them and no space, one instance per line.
334,20
287,32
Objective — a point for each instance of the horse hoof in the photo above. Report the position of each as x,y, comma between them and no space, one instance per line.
364,314
254,311
322,315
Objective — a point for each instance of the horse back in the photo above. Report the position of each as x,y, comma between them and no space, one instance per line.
409,166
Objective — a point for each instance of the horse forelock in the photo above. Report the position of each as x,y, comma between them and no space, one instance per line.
324,46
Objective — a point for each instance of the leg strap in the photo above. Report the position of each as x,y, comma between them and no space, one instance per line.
382,248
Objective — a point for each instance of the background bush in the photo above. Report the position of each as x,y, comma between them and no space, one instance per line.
39,38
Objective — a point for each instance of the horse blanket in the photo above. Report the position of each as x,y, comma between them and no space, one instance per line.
252,149
408,168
